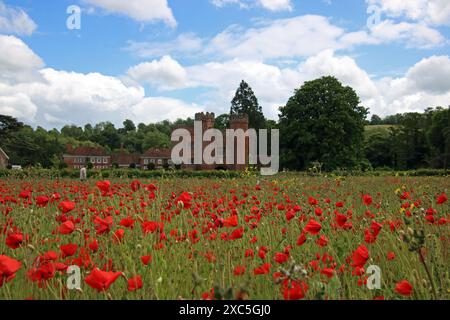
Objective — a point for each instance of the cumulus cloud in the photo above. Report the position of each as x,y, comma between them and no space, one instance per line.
185,43
297,37
153,109
139,10
165,73
18,62
15,21
271,5
435,12
59,97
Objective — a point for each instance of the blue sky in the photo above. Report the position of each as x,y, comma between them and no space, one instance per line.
150,60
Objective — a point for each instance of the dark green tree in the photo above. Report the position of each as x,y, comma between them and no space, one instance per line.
8,125
222,122
245,102
322,122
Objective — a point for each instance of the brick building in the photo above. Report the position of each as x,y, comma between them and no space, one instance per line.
159,158
76,158
3,159
208,121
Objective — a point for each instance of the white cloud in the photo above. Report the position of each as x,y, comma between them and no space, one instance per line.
18,62
431,75
293,37
185,44
18,105
165,73
154,109
271,5
139,10
435,12
15,21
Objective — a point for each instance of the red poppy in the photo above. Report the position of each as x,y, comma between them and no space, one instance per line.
184,200
404,288
66,206
8,269
442,198
94,245
264,269
360,256
313,227
14,240
239,270
101,280
237,234
302,239
103,186
281,257
67,227
367,199
68,250
135,283
146,259
390,256
294,290
42,201
231,221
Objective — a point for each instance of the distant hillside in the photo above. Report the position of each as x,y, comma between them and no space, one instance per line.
382,129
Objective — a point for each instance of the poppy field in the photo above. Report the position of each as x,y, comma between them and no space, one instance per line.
285,237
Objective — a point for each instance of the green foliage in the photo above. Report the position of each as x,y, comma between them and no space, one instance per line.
245,102
322,122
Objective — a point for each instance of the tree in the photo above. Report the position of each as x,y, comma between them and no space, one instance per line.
9,125
222,122
322,122
155,139
245,102
375,120
438,135
128,126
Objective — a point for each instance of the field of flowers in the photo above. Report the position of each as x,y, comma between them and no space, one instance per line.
289,237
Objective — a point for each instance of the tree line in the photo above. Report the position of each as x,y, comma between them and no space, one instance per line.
322,125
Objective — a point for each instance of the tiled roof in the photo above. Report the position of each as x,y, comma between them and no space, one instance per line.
87,151
125,158
157,153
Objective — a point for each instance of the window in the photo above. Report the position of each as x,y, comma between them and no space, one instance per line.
169,162
105,160
92,160
152,160
160,162
99,160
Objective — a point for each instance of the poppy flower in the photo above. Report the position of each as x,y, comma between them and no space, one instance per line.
237,234
101,280
66,206
42,201
313,227
8,269
404,288
301,239
239,270
442,198
322,241
264,269
390,256
231,221
184,200
14,240
367,199
135,283
360,256
103,186
68,250
67,227
146,259
281,257
94,245
295,290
